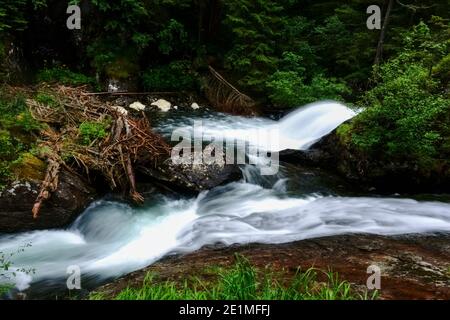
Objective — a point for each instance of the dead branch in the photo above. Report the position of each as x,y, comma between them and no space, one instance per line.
129,140
227,97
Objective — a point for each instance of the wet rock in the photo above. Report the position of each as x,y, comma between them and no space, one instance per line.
378,174
137,106
313,157
195,106
16,201
190,177
162,105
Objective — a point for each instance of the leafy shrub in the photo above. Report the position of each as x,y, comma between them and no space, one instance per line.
91,131
171,37
7,269
13,13
403,118
288,89
7,147
64,76
407,115
175,76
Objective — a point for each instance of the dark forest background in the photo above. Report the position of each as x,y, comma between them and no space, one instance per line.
281,53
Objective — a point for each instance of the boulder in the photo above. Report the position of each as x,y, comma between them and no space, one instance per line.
195,106
189,177
162,105
17,199
137,106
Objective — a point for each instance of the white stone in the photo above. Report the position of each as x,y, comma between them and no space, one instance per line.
137,106
175,107
195,106
162,105
120,110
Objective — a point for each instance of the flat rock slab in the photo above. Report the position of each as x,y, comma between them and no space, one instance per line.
412,267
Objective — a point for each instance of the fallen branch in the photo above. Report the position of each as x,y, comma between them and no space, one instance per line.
227,97
48,186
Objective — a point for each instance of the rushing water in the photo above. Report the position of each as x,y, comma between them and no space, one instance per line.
110,238
298,130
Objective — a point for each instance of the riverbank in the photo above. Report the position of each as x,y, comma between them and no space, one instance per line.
412,266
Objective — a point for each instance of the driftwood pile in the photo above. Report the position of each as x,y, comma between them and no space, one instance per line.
130,139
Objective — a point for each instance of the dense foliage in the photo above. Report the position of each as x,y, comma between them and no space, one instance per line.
408,110
282,53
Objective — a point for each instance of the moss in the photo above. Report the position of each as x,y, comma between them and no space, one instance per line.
28,166
344,133
18,136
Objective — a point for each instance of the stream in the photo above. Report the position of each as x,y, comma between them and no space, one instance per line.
111,239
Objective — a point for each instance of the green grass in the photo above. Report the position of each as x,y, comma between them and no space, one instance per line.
244,282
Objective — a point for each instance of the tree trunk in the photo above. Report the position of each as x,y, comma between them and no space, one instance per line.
387,15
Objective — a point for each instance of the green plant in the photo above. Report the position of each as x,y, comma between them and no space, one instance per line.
13,13
48,99
17,132
172,36
65,76
244,282
7,270
255,26
14,113
288,89
91,131
112,59
407,111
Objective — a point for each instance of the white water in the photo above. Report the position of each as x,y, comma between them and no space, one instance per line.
298,130
111,239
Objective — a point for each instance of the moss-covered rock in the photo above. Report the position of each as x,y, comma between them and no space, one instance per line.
17,199
29,167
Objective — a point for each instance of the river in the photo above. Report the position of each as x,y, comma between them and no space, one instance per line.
111,238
